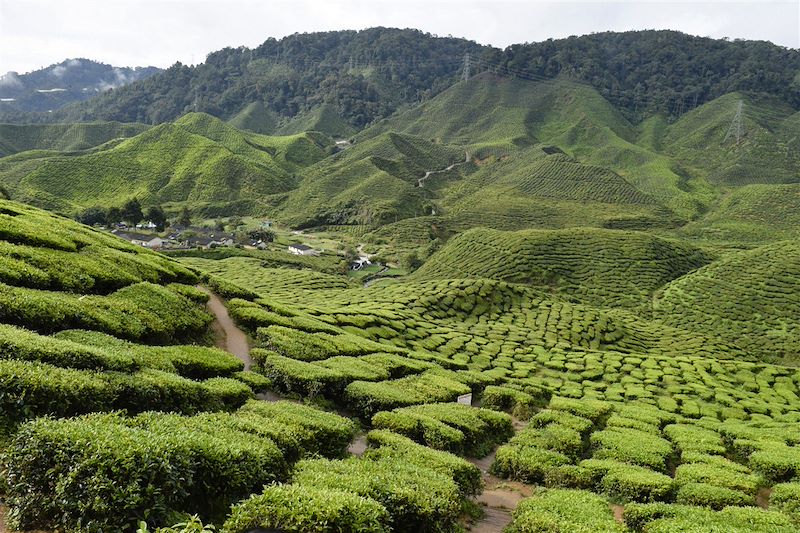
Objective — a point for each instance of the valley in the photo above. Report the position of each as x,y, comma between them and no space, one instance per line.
513,302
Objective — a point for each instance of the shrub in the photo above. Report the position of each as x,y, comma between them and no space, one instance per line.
104,472
367,398
549,416
631,446
576,511
634,483
257,382
665,518
520,404
713,496
692,438
387,443
594,410
328,433
418,499
568,476
307,509
291,376
721,475
526,464
785,497
315,346
553,437
776,462
467,430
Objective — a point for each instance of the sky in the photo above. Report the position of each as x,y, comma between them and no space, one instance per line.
38,33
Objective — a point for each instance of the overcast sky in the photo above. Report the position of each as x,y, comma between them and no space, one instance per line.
38,33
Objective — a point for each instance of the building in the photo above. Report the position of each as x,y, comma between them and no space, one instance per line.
360,263
302,249
141,239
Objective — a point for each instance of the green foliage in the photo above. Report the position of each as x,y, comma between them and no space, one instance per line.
418,499
453,427
520,404
564,510
302,509
389,444
665,518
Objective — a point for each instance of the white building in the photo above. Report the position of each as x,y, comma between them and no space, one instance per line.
302,249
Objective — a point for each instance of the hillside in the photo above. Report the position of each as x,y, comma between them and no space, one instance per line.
374,182
70,81
601,267
747,297
198,160
15,138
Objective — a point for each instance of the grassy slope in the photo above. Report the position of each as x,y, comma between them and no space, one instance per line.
601,267
15,138
323,118
748,297
199,160
373,182
500,114
256,118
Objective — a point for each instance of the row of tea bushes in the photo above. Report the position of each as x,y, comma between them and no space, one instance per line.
103,472
397,486
460,429
29,389
143,311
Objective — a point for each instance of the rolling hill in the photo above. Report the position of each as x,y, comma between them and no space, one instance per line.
748,297
198,160
15,138
601,267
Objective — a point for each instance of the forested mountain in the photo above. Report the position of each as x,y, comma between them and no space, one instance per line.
368,74
55,86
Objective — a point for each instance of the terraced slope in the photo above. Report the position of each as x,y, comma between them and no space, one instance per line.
373,182
256,118
751,214
747,297
323,118
199,161
15,138
768,150
597,266
493,113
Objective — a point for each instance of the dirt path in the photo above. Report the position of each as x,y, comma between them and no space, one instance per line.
229,337
429,173
762,498
499,498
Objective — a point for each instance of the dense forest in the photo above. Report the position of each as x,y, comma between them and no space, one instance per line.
369,74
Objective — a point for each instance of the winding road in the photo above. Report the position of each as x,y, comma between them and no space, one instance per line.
429,173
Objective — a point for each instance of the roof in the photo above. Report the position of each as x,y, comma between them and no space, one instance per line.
131,236
300,247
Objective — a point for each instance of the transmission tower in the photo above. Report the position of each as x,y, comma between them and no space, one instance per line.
736,125
465,72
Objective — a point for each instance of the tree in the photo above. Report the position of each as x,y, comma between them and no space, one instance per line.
262,234
92,216
156,215
185,219
113,215
132,211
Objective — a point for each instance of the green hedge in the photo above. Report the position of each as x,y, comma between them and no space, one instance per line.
453,427
631,446
564,510
625,482
192,361
723,474
776,462
520,404
666,518
594,410
712,495
418,499
29,389
367,398
384,443
104,472
327,434
315,346
785,497
308,509
526,464
291,376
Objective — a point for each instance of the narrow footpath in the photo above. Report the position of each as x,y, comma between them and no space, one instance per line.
228,336
499,498
429,173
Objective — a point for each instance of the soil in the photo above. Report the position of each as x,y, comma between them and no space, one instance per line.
228,336
499,498
762,498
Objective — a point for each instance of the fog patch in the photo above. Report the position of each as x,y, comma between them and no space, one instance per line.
10,79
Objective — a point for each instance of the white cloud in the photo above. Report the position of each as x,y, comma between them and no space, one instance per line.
36,33
10,80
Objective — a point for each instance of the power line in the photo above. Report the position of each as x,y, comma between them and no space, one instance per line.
736,125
